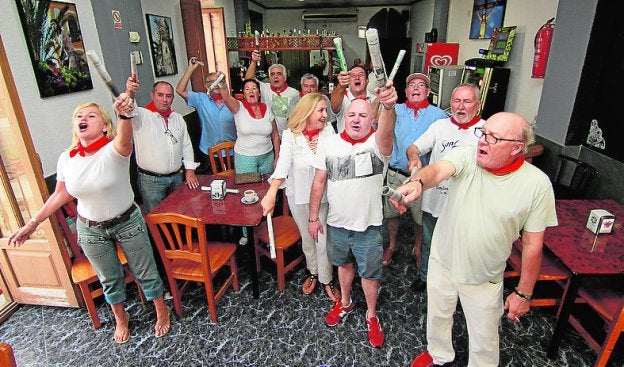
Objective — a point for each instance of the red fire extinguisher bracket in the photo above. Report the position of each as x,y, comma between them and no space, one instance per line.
543,38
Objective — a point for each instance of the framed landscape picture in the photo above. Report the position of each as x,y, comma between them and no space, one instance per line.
54,40
161,44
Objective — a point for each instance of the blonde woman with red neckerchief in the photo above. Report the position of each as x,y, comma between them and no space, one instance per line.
307,126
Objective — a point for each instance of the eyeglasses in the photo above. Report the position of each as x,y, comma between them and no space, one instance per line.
491,139
417,85
170,135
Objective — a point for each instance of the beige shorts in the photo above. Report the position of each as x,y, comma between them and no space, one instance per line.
394,180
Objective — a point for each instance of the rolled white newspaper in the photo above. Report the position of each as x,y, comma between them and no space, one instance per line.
271,236
101,70
372,38
217,81
257,36
397,64
391,193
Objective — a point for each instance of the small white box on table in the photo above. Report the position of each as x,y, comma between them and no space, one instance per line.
600,221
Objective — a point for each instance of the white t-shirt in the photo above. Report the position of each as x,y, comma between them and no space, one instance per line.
100,182
355,174
484,215
440,138
346,102
254,135
278,104
296,164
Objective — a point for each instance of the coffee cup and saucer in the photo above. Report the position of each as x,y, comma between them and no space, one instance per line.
249,197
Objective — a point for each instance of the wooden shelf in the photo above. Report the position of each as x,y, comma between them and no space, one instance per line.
301,43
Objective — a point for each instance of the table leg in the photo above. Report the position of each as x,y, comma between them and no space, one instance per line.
567,302
253,273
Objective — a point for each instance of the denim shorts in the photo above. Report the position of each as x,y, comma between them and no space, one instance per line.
99,245
365,247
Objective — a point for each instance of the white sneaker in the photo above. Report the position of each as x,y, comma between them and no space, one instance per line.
167,296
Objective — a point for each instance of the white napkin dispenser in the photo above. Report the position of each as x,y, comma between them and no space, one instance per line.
217,189
600,221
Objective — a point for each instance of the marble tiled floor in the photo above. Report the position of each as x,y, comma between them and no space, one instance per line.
279,329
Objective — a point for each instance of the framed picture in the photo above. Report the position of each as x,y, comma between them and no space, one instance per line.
57,53
487,15
161,44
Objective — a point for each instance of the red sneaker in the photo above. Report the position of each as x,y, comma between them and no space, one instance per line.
423,360
375,334
337,313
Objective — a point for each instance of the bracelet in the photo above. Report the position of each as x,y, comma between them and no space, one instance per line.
35,220
312,220
418,179
388,108
525,297
124,117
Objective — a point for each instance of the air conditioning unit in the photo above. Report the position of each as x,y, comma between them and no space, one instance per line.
329,17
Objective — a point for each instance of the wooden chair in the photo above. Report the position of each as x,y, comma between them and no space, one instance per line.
189,257
573,177
82,272
7,359
223,152
606,300
550,281
286,236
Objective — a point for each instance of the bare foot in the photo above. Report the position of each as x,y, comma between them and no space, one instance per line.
163,324
122,332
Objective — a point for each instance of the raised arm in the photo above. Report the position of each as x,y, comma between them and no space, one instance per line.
337,95
124,106
426,178
251,70
232,103
181,87
387,117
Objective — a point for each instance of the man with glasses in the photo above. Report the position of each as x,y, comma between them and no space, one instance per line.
441,137
493,196
217,121
276,94
413,118
310,84
351,86
162,146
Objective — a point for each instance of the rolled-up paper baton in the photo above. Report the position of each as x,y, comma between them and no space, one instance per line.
257,35
101,70
271,236
217,81
397,63
133,72
195,61
392,193
372,38
338,44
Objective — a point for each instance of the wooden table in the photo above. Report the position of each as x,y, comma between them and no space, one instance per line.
583,253
229,211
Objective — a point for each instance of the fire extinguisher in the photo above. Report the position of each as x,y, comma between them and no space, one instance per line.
542,48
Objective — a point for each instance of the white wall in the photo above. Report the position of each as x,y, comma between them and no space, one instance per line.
49,119
524,92
421,21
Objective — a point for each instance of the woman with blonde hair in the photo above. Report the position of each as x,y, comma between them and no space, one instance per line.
95,170
307,127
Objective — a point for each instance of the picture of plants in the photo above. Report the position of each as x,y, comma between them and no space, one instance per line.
55,45
161,44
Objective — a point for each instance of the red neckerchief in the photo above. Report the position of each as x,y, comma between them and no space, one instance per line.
278,91
301,94
467,125
152,107
363,97
311,134
423,104
513,166
93,147
216,97
262,106
348,139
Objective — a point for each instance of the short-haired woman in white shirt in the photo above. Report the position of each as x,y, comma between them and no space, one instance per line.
97,174
307,126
